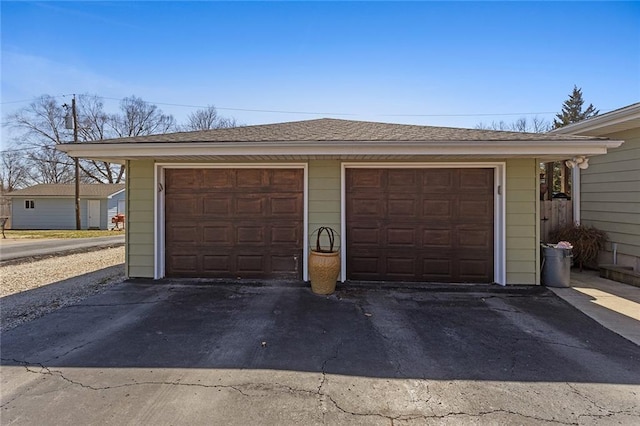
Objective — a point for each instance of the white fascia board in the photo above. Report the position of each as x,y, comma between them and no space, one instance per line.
480,148
602,122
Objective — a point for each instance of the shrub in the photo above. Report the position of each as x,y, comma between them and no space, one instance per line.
587,242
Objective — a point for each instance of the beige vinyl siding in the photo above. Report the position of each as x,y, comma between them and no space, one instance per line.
140,219
521,221
610,193
324,196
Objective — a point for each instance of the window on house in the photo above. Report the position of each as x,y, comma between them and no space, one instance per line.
29,204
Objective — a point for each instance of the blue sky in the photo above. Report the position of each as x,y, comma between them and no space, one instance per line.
417,62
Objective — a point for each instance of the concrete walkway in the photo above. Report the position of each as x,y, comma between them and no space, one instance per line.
614,305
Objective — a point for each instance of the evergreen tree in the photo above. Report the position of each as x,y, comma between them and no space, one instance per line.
572,110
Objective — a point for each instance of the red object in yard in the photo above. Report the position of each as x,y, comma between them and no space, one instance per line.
118,219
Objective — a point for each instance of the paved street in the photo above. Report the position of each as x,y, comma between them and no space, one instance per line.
15,249
176,353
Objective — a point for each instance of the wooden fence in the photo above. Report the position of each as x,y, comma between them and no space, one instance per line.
554,214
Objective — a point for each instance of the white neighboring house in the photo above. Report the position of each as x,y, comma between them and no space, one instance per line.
51,206
609,189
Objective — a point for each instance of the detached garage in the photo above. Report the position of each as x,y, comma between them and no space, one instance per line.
411,203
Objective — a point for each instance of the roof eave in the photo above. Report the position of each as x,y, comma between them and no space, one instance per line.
303,148
619,120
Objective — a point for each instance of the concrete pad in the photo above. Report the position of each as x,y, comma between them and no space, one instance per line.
614,305
174,353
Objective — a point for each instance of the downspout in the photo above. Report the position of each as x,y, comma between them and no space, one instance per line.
575,196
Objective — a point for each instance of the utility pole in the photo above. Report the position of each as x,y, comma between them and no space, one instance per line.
76,161
68,124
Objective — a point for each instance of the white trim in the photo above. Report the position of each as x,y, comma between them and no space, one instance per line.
116,193
600,124
159,202
499,226
486,149
158,223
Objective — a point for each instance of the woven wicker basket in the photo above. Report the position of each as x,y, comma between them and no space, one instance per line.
324,264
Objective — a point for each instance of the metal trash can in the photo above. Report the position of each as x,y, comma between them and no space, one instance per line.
556,266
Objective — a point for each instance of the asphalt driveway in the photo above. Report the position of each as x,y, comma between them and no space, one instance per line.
12,250
234,354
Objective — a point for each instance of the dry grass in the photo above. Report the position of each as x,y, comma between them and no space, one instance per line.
587,242
43,234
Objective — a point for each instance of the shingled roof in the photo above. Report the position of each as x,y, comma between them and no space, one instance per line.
329,129
68,190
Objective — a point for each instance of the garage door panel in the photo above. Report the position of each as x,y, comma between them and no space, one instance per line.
217,178
287,179
183,263
184,179
473,270
284,206
449,238
251,178
371,181
250,264
366,207
437,267
252,231
283,234
183,205
364,264
404,267
254,206
469,238
402,180
216,264
216,206
473,210
405,237
437,181
437,238
183,233
402,207
250,235
367,236
217,234
432,209
284,263
475,180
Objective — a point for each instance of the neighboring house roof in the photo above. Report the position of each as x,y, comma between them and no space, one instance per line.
621,119
68,190
332,138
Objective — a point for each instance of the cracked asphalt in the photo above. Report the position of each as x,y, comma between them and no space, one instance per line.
237,354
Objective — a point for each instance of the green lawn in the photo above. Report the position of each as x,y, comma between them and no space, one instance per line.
59,234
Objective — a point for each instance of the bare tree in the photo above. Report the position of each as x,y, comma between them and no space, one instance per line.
137,118
42,126
535,125
13,174
42,123
93,125
207,119
48,165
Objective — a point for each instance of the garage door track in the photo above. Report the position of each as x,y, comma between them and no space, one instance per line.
228,353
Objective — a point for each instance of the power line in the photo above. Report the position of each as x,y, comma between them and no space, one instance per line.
276,111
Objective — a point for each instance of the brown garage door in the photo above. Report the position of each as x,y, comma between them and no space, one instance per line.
431,225
229,223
